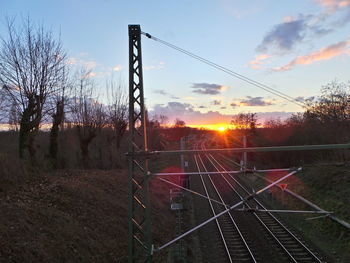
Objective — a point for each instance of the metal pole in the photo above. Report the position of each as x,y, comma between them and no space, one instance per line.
284,211
334,218
225,172
139,219
182,147
183,178
245,153
256,149
196,173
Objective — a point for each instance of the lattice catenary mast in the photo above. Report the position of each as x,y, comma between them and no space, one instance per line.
140,236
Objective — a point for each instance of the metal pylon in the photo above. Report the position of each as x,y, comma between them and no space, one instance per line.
140,237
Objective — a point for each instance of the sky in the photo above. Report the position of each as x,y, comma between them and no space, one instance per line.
295,47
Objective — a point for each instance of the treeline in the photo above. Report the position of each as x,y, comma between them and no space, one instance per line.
325,120
39,87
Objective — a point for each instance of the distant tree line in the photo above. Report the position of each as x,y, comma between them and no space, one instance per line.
325,120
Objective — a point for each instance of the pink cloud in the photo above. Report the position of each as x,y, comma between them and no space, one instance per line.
258,61
191,116
326,53
333,5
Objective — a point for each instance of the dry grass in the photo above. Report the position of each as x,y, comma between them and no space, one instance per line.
72,216
12,172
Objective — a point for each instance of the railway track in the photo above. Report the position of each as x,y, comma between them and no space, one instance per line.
233,242
233,227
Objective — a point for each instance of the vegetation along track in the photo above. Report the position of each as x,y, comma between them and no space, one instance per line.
250,237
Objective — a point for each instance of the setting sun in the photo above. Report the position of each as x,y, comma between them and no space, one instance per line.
221,129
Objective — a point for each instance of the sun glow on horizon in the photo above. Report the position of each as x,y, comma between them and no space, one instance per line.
220,127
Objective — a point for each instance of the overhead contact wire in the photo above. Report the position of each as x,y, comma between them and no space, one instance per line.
228,71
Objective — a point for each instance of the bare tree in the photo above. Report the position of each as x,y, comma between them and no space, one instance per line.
3,105
14,117
87,114
328,117
274,123
179,123
58,103
117,110
31,66
156,139
245,121
333,106
163,120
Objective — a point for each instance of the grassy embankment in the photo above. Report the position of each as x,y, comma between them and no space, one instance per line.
327,186
71,215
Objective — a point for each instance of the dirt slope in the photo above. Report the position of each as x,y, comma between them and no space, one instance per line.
70,216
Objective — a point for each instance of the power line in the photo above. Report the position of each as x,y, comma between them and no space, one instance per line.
228,71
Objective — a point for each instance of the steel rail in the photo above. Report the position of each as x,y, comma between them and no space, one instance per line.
295,195
245,210
264,207
214,213
278,221
261,222
229,214
223,212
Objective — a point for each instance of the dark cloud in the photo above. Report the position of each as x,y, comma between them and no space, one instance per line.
223,107
164,93
202,107
300,99
207,88
264,116
304,99
284,35
186,112
160,91
255,101
233,104
319,31
216,102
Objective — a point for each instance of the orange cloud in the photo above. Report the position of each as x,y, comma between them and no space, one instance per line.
326,53
258,61
333,5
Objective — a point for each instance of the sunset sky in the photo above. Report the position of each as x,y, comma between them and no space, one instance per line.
292,46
